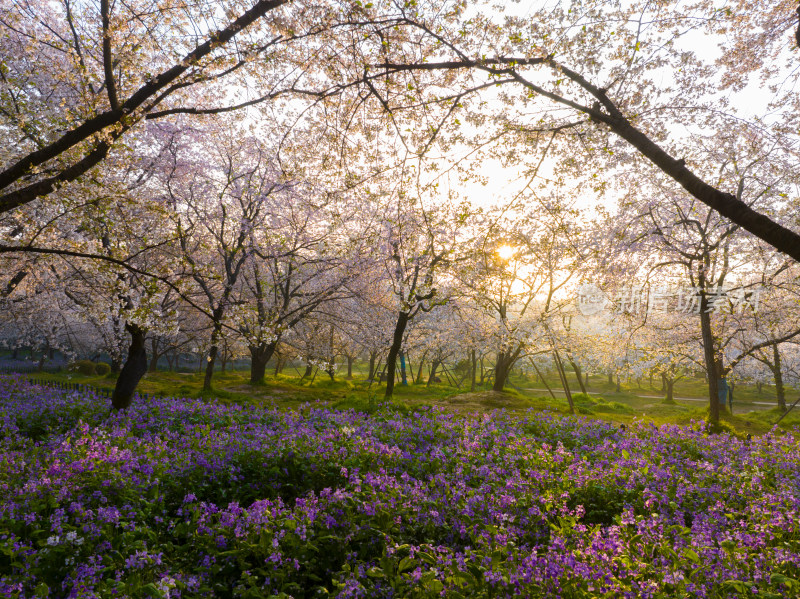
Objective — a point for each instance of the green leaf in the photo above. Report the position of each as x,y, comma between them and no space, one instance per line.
405,564
691,555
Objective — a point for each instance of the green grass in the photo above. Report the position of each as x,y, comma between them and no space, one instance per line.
291,391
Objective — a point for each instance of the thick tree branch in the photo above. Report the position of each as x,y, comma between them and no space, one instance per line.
122,116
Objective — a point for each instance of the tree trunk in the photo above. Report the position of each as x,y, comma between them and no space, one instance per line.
259,356
611,379
394,351
210,363
505,362
213,350
663,383
434,368
309,370
618,386
709,356
776,372
578,376
153,355
132,372
564,382
349,368
372,356
418,378
670,384
473,373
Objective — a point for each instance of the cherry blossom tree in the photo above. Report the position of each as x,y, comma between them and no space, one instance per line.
613,83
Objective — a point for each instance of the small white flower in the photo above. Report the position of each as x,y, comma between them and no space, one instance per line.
71,536
53,540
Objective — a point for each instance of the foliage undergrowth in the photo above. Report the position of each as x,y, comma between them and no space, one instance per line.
203,499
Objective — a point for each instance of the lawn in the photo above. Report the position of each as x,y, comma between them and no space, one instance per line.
196,498
634,401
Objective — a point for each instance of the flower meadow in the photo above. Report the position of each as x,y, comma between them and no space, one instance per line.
184,498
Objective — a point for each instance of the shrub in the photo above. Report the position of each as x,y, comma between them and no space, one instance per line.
85,367
102,369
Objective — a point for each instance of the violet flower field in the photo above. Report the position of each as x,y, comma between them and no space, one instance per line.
183,498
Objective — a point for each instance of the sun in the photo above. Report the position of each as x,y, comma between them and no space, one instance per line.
505,251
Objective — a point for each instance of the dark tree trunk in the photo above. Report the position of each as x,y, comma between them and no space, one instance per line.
210,363
132,372
153,355
709,355
473,370
309,370
670,384
259,356
611,379
776,372
349,368
618,385
372,356
505,362
432,374
663,383
585,381
214,349
394,351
